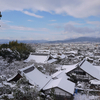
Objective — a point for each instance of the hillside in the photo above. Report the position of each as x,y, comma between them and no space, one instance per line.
80,39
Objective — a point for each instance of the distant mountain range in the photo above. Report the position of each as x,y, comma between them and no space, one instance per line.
80,39
23,41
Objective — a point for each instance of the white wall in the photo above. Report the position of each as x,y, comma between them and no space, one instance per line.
58,91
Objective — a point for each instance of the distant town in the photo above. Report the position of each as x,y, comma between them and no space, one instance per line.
57,71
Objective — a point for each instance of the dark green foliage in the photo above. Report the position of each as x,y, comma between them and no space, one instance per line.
5,98
5,90
52,93
15,50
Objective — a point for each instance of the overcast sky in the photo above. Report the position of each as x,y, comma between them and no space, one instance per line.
49,19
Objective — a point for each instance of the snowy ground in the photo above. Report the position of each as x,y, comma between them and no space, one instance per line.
86,97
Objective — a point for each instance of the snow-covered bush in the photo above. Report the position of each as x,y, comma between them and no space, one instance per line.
24,91
22,81
5,89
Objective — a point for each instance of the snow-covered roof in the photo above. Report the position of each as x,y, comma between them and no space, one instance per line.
37,58
97,67
35,77
90,69
62,56
72,52
9,79
60,74
51,60
95,82
63,70
26,67
55,56
56,74
69,67
61,83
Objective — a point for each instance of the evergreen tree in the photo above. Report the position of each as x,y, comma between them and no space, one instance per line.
15,50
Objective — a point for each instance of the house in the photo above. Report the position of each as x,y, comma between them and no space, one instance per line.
61,86
33,75
62,82
58,81
70,52
54,58
39,58
84,71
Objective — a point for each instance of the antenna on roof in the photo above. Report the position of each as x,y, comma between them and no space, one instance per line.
0,16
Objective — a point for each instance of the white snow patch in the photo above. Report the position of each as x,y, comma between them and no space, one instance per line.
37,58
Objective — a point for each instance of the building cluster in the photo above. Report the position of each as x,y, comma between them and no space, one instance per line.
71,53
65,81
79,71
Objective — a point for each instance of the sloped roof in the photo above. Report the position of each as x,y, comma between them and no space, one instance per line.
61,83
16,77
56,73
35,77
51,60
37,58
69,67
60,74
95,82
97,67
90,69
25,68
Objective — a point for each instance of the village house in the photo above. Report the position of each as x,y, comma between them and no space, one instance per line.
58,81
63,82
39,58
84,71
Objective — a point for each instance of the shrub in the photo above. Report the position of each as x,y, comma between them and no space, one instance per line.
15,50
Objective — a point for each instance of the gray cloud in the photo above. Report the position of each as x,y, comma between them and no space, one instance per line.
80,30
95,23
76,8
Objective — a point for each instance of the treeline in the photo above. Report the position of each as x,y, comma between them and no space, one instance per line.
15,50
